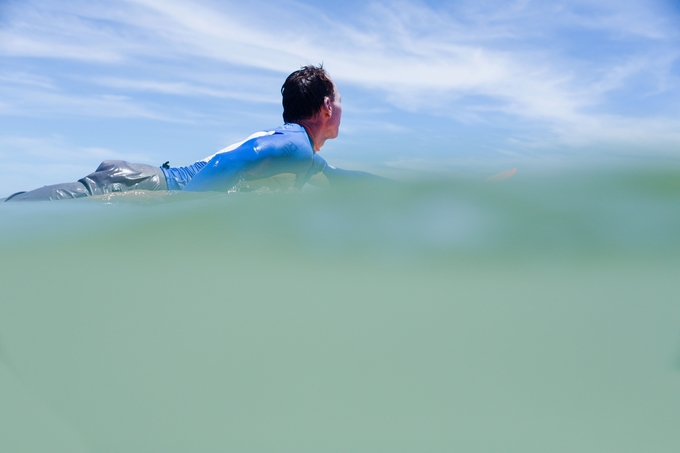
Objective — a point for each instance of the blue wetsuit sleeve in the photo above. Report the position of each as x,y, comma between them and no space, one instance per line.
339,176
318,166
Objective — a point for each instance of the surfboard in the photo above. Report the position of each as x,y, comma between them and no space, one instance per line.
503,175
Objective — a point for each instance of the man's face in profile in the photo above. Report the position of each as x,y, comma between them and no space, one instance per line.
336,113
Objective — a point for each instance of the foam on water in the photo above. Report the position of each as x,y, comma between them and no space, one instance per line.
536,314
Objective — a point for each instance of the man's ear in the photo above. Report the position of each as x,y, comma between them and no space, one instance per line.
327,105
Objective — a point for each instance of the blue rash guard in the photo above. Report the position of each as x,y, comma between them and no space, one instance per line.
286,149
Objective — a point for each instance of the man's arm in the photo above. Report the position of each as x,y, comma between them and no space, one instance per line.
339,176
323,175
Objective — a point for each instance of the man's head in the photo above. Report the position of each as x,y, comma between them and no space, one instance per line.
304,93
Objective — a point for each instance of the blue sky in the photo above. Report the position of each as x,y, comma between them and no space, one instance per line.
425,84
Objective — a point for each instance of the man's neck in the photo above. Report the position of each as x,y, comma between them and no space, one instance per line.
314,131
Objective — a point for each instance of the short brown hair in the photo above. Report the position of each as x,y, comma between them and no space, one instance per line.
303,93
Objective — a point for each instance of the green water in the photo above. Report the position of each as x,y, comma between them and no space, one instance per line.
539,314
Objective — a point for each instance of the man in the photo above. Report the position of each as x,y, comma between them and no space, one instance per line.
311,113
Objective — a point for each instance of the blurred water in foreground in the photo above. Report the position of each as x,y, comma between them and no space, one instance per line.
539,314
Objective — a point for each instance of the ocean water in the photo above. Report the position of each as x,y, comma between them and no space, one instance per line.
537,314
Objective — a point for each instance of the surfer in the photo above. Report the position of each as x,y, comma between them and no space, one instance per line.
312,111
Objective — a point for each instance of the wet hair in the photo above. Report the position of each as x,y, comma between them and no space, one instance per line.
303,93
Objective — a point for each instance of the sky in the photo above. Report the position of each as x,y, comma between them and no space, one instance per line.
426,85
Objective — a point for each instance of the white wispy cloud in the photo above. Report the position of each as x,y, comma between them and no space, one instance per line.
47,103
59,150
182,88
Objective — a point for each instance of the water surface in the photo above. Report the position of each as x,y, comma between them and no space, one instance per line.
530,315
